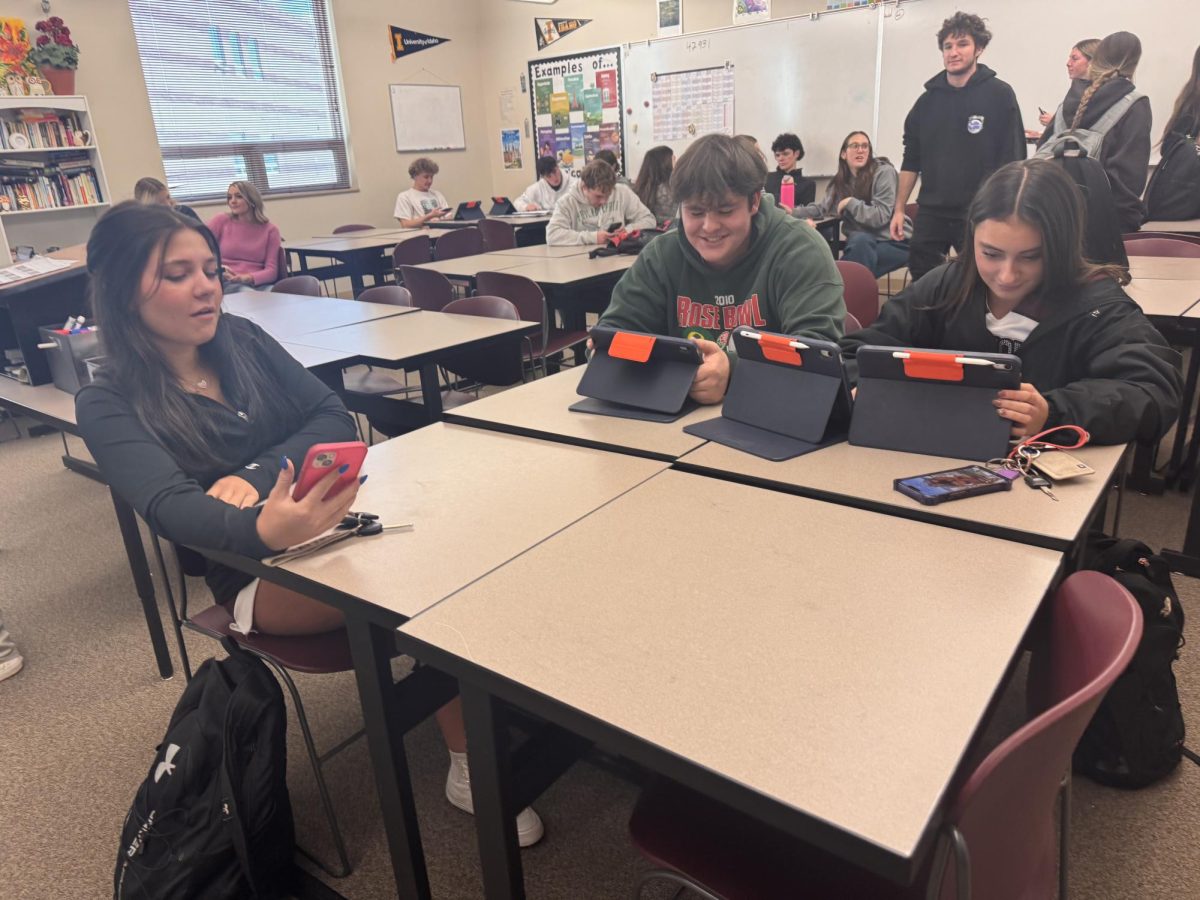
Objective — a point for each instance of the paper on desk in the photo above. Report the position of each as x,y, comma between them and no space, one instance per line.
39,265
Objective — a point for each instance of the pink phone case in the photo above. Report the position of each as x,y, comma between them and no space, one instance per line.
321,458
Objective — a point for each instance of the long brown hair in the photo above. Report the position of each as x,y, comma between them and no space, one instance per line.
1187,104
1038,193
1117,56
845,182
655,173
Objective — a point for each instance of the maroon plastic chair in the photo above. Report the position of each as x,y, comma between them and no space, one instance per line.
1152,235
850,324
1162,246
430,290
342,229
861,291
458,242
392,294
305,285
527,297
496,235
281,264
999,825
501,364
318,654
412,252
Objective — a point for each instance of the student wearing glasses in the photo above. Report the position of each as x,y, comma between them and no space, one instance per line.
249,242
863,196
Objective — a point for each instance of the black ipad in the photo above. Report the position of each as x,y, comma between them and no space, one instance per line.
469,211
502,206
639,370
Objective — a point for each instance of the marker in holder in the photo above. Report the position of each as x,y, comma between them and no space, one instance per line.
67,352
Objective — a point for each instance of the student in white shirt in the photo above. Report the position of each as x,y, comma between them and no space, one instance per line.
546,191
596,209
421,204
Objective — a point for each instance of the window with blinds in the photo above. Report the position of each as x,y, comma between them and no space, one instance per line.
243,90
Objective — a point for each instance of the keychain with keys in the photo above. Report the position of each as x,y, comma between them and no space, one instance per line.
1039,482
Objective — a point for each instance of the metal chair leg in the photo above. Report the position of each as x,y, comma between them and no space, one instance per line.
176,622
1064,833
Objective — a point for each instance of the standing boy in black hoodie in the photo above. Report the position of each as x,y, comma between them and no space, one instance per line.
962,129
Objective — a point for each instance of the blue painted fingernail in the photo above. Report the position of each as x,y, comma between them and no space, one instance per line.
344,469
283,462
363,480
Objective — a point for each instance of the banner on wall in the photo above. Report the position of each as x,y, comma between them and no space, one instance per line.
576,104
406,43
550,30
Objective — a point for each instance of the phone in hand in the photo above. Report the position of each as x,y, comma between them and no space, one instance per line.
321,458
952,484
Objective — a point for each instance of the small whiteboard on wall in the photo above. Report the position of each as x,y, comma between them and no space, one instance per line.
427,117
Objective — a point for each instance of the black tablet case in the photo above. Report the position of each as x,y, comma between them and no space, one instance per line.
638,376
930,404
469,211
782,402
502,206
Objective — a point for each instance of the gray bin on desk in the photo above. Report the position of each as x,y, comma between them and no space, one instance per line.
66,358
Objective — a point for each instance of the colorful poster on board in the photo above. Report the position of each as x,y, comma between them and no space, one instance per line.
750,11
510,147
547,31
578,111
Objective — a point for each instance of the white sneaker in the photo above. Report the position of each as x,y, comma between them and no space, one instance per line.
458,791
11,666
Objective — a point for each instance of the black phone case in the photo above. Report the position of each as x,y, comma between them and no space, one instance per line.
996,488
782,402
929,405
658,383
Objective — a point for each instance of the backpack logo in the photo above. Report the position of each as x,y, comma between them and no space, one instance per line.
975,124
167,767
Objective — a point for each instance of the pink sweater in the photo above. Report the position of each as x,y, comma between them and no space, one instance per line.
247,248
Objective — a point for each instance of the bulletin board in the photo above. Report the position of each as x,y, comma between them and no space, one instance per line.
427,117
576,102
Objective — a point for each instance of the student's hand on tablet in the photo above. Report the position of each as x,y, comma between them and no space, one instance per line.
234,490
898,225
285,522
1025,408
712,378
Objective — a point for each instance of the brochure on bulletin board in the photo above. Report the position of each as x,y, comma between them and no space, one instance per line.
576,103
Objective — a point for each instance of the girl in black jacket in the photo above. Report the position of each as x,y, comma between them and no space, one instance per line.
1088,355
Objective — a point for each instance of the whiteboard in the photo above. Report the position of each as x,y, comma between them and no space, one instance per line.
427,117
1030,43
812,77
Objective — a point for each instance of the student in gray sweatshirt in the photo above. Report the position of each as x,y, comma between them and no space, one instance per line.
596,209
863,196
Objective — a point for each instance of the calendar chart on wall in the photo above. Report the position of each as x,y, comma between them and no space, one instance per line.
688,104
576,104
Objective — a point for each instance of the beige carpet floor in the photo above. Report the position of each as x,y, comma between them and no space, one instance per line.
78,728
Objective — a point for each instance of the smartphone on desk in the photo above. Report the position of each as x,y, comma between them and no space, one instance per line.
321,458
952,484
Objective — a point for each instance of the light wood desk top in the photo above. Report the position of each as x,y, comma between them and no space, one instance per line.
832,660
569,269
311,357
1176,268
863,476
293,316
43,402
518,221
468,518
405,338
543,251
1164,296
355,240
540,409
77,254
470,266
1189,226
395,231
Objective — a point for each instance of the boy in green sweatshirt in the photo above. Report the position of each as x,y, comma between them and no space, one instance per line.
735,258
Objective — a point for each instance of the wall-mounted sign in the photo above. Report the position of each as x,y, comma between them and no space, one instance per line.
406,43
550,30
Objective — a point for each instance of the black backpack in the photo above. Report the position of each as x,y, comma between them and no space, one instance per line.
1173,193
213,818
1102,240
1136,736
631,244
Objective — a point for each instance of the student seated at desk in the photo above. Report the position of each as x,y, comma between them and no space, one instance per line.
1089,357
197,416
653,185
863,195
421,204
595,209
249,242
547,190
735,258
151,190
788,152
611,158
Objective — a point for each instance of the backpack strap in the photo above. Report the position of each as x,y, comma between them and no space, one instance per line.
1060,123
1115,113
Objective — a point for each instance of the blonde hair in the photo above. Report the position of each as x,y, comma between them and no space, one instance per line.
148,190
253,199
1117,56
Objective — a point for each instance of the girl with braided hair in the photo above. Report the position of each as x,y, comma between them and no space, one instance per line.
1125,153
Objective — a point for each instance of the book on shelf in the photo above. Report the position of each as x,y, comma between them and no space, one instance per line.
28,185
41,129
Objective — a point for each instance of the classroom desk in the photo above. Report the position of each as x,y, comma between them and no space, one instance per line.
360,255
544,251
540,409
469,519
561,278
1164,298
467,267
720,640
42,300
1175,268
398,232
1188,226
417,341
285,316
863,477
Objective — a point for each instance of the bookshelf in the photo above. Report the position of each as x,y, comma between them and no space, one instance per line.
52,182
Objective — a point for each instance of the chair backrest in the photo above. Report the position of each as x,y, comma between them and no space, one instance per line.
1162,246
430,290
342,229
458,242
497,235
391,294
281,264
412,251
861,291
499,364
524,293
305,285
850,324
1152,235
1005,808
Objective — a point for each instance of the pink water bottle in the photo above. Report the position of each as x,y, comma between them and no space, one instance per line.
787,192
